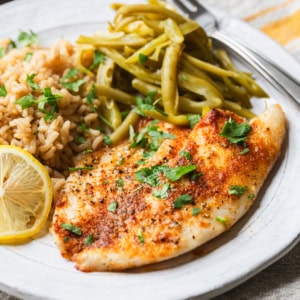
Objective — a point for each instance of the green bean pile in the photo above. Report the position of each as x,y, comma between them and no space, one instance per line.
152,50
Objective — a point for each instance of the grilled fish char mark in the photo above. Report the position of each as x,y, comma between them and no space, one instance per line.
143,228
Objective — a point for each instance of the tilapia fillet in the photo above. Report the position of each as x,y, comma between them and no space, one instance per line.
108,218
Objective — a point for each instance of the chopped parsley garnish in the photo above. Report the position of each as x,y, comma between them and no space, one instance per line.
112,206
105,121
163,192
120,161
149,138
31,83
3,91
182,200
12,44
147,103
99,58
195,211
80,139
124,114
235,132
176,173
26,101
82,126
196,175
244,151
66,239
81,168
106,181
89,240
47,104
120,182
28,56
222,220
107,140
91,95
151,175
237,190
193,120
251,196
28,38
70,82
142,58
72,228
185,154
140,236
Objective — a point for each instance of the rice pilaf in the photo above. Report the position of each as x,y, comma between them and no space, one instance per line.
74,127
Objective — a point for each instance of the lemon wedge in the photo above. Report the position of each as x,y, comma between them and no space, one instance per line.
25,195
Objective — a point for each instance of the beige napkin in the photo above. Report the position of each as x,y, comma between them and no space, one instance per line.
280,19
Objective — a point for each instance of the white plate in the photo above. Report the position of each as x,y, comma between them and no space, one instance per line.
36,270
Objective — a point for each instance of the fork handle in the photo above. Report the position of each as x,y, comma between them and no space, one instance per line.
273,73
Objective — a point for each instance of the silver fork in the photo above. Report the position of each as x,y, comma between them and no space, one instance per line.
268,69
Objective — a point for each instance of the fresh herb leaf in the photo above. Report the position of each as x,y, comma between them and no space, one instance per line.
104,120
28,38
91,95
147,175
184,77
142,58
222,220
237,190
196,175
89,240
88,151
31,83
82,126
195,211
107,140
2,52
120,182
235,132
120,161
12,44
182,200
244,151
124,114
28,56
80,139
3,91
81,168
251,196
99,58
186,154
72,228
140,236
193,120
69,80
176,173
163,192
66,239
106,181
112,206
71,74
48,103
26,101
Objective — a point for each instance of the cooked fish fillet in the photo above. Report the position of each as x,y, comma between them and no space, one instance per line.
127,225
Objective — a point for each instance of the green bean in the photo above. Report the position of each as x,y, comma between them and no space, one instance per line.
117,95
209,67
125,40
135,70
168,79
202,88
122,131
246,113
180,120
141,9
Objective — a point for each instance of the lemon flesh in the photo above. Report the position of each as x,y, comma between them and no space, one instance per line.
25,195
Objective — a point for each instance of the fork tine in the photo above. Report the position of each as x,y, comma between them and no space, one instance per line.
198,8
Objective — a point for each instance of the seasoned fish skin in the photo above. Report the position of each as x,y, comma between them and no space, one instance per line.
145,229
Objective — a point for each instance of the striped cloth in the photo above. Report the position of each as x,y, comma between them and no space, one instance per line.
280,19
